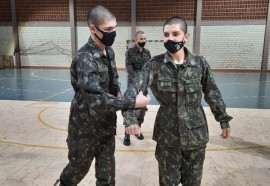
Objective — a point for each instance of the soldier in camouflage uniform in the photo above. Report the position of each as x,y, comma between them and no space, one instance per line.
92,120
136,57
177,80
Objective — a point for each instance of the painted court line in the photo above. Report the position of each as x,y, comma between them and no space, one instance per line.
133,150
40,77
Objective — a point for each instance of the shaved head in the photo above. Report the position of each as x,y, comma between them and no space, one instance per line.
98,14
177,21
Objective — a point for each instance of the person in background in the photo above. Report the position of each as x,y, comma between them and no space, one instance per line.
136,57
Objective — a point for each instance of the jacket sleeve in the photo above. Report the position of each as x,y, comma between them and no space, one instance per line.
149,54
142,82
89,84
131,72
213,96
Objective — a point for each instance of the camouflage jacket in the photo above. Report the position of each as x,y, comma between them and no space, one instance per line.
135,60
180,119
95,81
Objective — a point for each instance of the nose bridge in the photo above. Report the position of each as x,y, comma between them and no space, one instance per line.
170,37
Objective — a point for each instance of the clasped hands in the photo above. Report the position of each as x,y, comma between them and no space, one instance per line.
141,101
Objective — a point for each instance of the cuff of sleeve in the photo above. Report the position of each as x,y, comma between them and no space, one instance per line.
224,125
130,121
130,103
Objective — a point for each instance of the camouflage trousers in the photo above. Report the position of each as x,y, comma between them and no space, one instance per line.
81,154
177,166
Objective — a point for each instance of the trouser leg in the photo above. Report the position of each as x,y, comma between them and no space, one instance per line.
105,163
193,167
80,155
169,164
177,166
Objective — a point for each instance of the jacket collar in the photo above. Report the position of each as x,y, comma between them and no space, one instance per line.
136,49
189,62
94,47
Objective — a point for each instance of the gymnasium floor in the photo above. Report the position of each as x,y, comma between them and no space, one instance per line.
34,109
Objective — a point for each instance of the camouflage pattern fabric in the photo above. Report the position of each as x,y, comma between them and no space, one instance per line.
135,60
180,119
92,120
177,166
180,128
81,154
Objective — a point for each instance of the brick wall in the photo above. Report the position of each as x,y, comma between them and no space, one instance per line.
51,10
152,10
121,8
234,9
40,10
233,47
5,11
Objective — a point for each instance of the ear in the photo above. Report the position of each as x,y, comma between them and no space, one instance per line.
186,37
92,28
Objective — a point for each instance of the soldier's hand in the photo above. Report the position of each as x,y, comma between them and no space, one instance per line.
225,133
141,100
133,129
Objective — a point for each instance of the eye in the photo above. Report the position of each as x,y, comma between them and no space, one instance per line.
166,35
110,29
175,34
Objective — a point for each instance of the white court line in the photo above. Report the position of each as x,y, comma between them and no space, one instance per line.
33,74
25,90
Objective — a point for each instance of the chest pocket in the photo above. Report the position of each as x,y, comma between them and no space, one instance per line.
167,84
137,62
193,89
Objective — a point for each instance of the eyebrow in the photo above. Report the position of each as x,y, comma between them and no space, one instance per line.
171,32
110,27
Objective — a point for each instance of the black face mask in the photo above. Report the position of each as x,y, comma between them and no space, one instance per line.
173,47
141,44
108,37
